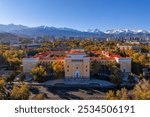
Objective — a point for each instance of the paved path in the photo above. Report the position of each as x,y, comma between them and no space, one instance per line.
99,82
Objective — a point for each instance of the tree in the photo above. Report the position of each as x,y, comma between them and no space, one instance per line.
129,52
142,90
3,92
95,67
110,95
2,84
119,95
131,78
13,57
142,59
39,73
122,94
39,97
58,68
11,77
141,77
115,76
20,92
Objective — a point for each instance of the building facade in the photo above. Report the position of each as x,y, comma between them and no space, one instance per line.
76,62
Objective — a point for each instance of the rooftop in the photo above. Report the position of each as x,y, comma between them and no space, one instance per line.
60,55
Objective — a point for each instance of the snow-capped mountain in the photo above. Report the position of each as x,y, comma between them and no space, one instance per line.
69,32
126,31
140,31
96,31
117,31
51,31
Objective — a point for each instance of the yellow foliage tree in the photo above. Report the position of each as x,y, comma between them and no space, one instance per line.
13,57
142,90
58,68
39,97
20,92
38,72
3,93
110,95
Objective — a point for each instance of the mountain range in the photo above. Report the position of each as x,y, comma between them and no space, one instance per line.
68,32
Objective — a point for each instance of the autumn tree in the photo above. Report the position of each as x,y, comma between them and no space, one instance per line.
3,92
20,92
110,95
118,95
58,67
141,76
39,97
39,73
13,57
2,83
122,94
142,90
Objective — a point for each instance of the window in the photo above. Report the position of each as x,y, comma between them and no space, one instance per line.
67,70
67,66
86,70
76,67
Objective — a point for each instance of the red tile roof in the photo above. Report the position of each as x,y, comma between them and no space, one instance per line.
101,59
76,52
108,56
53,58
41,55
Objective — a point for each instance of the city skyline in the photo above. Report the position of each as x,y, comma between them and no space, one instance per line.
77,14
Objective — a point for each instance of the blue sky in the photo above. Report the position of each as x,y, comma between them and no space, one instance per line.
78,14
